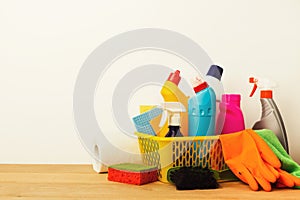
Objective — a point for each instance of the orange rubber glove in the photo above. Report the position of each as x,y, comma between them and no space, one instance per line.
287,180
284,179
265,151
244,159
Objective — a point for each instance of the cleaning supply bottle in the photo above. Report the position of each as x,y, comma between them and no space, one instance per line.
202,109
231,118
213,78
173,110
270,117
171,93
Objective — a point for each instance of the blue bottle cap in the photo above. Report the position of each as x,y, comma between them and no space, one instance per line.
215,71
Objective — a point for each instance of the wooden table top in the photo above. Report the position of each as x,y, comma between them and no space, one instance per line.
81,182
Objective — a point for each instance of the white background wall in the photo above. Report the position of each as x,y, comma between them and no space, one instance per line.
44,43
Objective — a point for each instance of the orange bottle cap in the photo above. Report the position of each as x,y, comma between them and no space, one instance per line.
175,77
266,94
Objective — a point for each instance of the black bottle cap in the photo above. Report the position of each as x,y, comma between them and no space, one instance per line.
215,71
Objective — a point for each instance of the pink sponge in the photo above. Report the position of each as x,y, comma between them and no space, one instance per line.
132,173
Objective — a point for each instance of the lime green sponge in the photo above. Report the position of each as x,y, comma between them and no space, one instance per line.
132,173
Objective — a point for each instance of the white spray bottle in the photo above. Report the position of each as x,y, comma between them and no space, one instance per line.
172,110
270,117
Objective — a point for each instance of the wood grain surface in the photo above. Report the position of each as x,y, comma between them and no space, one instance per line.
60,182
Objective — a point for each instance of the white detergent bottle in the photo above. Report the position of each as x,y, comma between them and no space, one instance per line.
213,78
270,117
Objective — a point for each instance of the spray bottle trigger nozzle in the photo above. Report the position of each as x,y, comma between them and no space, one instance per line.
253,80
164,117
172,109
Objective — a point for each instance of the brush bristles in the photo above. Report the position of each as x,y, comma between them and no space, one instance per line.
190,178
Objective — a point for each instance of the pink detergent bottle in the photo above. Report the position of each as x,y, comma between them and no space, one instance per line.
230,119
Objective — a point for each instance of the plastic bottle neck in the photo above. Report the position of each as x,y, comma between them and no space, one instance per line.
174,119
200,87
233,99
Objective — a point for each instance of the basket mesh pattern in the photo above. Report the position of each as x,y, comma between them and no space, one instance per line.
149,148
204,153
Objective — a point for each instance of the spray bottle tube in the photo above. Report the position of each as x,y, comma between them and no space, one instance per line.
270,116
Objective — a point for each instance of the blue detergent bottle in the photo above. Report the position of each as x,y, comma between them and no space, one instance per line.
202,109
